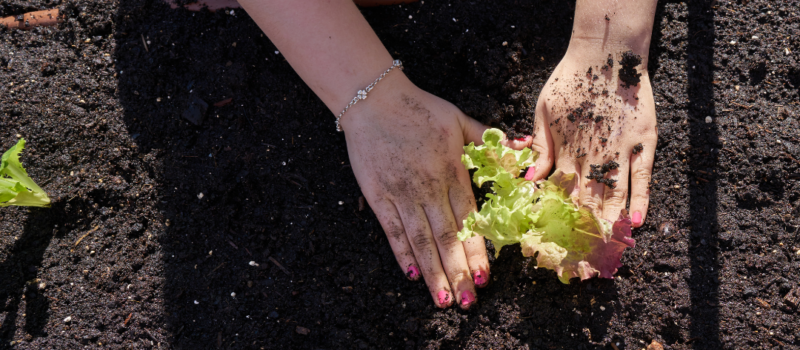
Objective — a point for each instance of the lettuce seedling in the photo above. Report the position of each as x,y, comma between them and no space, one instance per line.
16,187
543,217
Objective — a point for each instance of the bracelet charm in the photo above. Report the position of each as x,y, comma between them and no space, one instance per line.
362,94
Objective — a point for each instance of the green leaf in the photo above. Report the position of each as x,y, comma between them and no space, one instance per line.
16,187
494,160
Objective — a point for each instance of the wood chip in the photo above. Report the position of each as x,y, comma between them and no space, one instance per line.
763,303
224,102
302,330
655,346
792,298
279,265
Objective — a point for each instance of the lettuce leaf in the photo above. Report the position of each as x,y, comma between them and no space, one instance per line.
16,187
544,219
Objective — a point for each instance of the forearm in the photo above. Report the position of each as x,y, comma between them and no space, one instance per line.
603,27
328,43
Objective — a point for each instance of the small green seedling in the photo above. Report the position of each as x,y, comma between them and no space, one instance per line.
542,217
16,187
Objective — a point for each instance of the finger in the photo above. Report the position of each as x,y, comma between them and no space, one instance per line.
423,244
451,251
641,171
591,191
569,165
463,202
389,218
472,129
517,144
616,198
542,142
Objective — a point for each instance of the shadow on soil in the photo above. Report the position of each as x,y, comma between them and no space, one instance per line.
703,242
241,183
19,287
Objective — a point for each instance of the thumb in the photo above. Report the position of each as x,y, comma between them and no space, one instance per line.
542,142
473,132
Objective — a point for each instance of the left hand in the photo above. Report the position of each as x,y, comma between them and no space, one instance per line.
587,116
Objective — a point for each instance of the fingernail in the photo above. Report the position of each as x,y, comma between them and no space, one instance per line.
528,138
413,272
444,298
637,218
467,298
479,277
529,173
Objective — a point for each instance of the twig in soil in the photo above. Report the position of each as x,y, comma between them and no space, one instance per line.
741,105
215,269
145,43
84,236
128,319
279,266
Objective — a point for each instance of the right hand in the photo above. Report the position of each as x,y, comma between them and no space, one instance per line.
405,148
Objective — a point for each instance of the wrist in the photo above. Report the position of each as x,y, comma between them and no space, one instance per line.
603,27
598,52
384,94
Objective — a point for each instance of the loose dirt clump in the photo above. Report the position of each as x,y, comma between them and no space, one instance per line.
599,172
628,73
638,148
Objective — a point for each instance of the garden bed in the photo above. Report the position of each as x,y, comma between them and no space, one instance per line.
160,204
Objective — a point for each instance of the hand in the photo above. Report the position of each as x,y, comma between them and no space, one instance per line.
587,115
405,147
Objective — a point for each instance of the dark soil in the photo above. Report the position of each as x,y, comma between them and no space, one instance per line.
627,70
171,213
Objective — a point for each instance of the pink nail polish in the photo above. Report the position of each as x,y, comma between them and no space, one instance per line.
467,298
529,173
444,297
637,218
413,272
479,277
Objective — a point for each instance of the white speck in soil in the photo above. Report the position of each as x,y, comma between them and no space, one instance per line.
341,203
709,120
233,294
200,196
68,319
253,263
196,302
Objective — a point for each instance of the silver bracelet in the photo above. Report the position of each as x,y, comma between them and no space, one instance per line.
362,94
